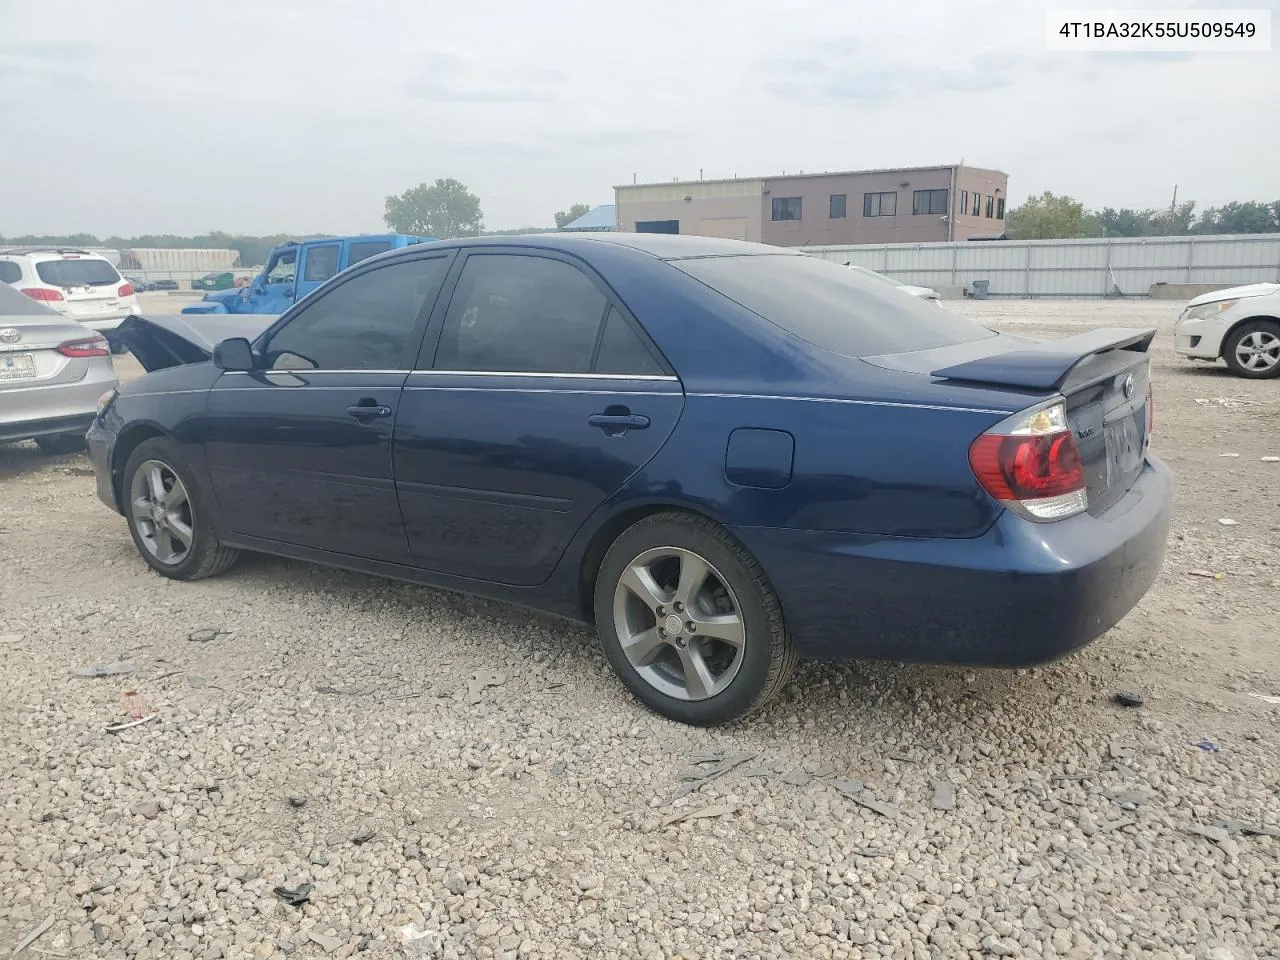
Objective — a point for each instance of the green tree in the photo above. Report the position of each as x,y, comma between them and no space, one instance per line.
444,209
1045,217
566,217
1235,217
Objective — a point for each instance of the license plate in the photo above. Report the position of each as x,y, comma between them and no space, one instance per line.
17,366
1124,450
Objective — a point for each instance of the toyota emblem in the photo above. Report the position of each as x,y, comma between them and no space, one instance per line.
10,335
1127,386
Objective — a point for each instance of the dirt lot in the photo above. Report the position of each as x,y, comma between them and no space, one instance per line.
520,804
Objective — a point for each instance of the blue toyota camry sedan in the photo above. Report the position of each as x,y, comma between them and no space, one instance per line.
724,456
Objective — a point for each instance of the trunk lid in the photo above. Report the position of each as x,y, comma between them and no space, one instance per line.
90,286
1103,375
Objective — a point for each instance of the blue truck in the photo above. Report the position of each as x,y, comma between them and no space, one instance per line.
296,268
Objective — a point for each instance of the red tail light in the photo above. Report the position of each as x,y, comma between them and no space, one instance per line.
41,293
1031,464
126,290
88,347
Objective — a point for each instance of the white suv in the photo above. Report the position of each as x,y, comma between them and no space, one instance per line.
78,284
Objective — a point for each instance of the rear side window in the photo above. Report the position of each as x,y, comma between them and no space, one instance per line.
322,263
623,351
10,272
77,273
830,306
363,251
521,314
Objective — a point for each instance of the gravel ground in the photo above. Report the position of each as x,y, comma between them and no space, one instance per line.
423,758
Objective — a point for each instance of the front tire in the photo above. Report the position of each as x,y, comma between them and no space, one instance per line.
689,622
169,514
1252,350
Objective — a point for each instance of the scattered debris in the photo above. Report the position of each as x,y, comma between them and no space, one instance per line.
10,637
327,942
33,936
1269,459
1128,797
1130,698
297,801
1120,750
419,944
1227,521
1266,698
295,897
1234,827
944,795
991,944
116,669
797,777
346,691
480,680
706,767
206,634
558,768
1208,746
363,834
873,852
1225,402
1207,574
99,932
135,704
1216,834
126,724
1228,454
700,813
855,791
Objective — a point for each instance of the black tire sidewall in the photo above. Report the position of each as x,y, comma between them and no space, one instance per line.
744,691
202,540
1233,341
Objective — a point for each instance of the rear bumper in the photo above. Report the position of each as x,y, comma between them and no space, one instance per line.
48,427
1022,594
43,410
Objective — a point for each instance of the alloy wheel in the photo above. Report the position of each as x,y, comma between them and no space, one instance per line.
1258,351
679,624
161,511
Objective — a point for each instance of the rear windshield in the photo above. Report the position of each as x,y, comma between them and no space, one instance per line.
832,307
77,273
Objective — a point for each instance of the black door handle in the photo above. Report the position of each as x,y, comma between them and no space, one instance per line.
368,409
618,421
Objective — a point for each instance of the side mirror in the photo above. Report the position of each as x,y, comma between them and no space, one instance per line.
233,354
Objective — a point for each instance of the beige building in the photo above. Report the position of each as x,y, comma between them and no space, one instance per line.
910,205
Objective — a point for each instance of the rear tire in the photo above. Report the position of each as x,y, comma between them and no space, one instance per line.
674,569
60,444
1252,350
169,514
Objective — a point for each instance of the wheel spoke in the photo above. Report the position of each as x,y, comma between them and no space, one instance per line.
164,544
727,628
693,574
155,483
637,579
181,532
142,509
177,496
643,648
1254,339
697,675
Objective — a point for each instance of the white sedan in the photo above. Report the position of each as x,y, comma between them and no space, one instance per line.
1240,324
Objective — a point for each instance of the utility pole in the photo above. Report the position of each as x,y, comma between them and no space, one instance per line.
1173,208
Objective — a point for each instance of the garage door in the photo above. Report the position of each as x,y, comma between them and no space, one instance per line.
730,228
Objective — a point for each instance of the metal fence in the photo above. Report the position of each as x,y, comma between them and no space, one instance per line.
1127,266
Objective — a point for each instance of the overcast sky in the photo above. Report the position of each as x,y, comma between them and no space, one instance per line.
154,116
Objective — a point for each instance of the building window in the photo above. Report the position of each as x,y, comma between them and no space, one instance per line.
977,204
1000,208
929,201
989,207
838,202
879,204
963,207
786,208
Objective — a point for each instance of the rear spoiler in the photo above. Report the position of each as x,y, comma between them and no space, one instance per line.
1046,365
174,340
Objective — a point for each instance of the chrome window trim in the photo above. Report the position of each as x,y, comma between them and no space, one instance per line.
558,376
865,403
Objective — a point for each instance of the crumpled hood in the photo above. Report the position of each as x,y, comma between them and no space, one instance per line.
173,340
1235,293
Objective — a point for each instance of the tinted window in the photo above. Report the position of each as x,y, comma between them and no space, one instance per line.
77,273
523,314
880,204
1000,208
366,249
929,201
977,203
370,322
623,351
322,263
963,206
838,203
989,204
10,272
282,269
786,208
831,306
